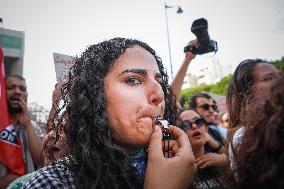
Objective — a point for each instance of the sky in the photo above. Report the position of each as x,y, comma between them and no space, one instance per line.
243,29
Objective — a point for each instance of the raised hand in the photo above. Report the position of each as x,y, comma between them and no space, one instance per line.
23,117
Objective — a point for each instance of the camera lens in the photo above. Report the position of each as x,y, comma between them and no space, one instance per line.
200,29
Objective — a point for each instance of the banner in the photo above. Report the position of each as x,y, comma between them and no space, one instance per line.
62,66
11,154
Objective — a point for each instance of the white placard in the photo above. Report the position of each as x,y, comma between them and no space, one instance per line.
62,65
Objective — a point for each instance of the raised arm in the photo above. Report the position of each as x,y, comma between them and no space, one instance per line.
34,143
176,84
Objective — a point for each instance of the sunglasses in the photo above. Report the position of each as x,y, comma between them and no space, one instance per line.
207,106
187,125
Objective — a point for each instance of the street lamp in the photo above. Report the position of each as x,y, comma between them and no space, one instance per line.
179,11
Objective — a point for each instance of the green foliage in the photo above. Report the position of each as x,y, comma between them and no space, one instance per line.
279,64
220,88
187,93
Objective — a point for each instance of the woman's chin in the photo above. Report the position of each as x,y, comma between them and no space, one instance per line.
197,143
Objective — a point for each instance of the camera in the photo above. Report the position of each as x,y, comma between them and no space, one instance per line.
200,29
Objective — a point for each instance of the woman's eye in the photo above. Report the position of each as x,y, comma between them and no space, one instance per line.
133,81
268,78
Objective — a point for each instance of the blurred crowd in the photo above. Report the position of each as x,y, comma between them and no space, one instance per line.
100,132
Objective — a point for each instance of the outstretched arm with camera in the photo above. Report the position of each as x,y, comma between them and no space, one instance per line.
202,45
177,82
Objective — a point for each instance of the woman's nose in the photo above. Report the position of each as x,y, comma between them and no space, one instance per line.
194,126
156,94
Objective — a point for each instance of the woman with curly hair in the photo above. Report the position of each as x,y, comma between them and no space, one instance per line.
114,91
251,80
261,160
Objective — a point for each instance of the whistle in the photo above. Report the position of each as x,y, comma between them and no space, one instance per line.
161,122
164,124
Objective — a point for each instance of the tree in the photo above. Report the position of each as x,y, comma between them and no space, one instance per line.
187,93
279,64
220,88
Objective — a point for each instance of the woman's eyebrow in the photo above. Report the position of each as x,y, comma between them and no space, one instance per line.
138,71
268,74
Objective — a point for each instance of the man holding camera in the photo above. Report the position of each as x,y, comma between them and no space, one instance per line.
205,108
204,104
177,82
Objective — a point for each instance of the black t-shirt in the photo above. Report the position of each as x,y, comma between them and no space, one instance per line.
207,178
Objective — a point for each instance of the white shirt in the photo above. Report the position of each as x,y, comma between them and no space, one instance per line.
238,136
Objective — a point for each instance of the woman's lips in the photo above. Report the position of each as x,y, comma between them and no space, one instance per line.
196,134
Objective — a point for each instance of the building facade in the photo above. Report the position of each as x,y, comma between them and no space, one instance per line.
209,74
13,44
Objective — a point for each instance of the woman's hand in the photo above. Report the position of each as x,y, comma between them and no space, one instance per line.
209,159
169,173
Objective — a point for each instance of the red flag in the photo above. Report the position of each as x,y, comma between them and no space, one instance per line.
10,146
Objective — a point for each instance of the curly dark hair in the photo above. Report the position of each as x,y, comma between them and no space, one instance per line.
260,162
99,164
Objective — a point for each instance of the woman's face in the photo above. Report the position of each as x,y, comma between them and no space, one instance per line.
225,120
134,96
196,134
264,76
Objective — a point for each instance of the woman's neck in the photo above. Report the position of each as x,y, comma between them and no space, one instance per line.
198,151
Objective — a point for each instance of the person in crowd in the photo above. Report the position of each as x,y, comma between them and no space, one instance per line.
260,157
53,149
210,166
251,80
204,105
115,90
54,143
16,91
215,139
224,120
217,115
217,123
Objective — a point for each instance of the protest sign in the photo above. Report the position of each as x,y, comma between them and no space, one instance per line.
62,66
